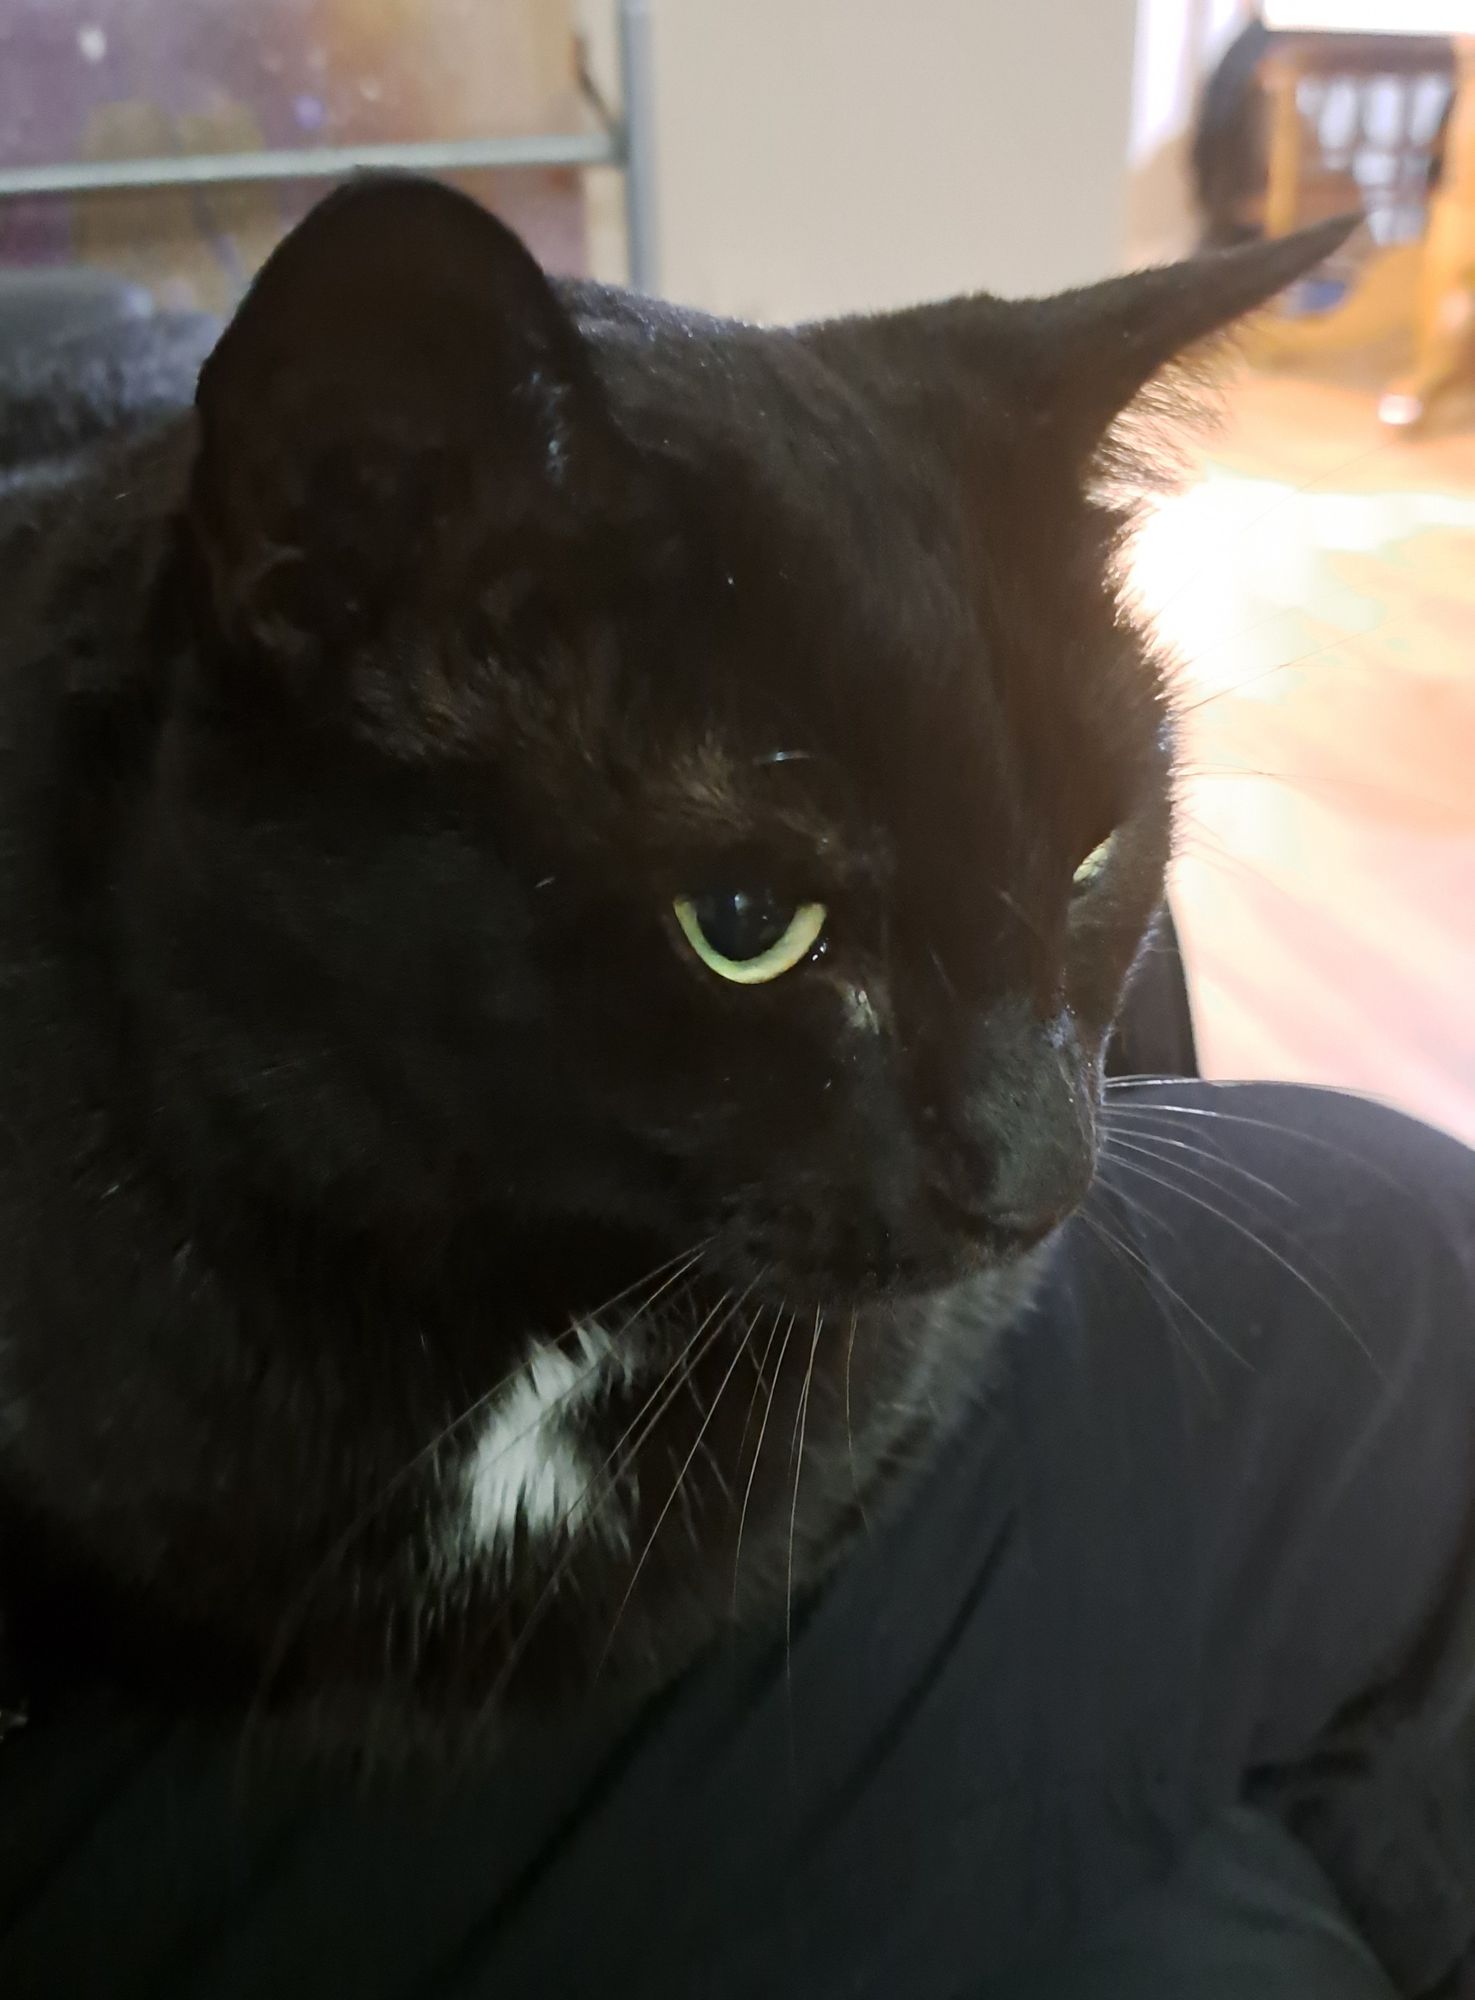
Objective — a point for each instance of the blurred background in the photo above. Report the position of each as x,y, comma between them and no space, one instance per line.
777,159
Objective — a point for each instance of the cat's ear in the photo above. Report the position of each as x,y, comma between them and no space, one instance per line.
1067,367
1098,347
1091,352
400,380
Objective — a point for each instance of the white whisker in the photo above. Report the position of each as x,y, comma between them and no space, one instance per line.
1259,1242
797,1453
778,1370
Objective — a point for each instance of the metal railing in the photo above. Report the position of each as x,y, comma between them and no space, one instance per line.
623,139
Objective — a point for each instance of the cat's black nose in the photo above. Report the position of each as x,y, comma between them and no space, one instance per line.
1013,1171
1041,1178
1008,1129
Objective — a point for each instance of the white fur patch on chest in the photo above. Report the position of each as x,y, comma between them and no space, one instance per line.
531,1468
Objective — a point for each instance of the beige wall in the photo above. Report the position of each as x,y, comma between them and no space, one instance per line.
824,155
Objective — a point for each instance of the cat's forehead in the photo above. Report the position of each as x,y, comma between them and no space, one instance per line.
842,664
827,669
827,532
765,403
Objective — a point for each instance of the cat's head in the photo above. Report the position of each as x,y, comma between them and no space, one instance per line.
677,775
640,806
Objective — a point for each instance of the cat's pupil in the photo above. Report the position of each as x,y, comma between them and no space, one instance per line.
742,923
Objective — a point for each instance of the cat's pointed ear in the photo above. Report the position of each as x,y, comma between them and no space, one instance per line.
400,379
1090,352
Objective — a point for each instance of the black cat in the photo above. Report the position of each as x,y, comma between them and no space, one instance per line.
566,869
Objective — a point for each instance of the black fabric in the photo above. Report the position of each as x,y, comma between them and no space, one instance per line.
1247,1915
1205,1537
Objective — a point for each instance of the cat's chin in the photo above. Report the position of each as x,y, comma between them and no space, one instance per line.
904,1276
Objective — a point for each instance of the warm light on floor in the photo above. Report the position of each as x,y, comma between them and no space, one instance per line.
1316,586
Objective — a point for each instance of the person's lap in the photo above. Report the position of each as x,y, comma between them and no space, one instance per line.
1314,1259
1160,1684
1247,1915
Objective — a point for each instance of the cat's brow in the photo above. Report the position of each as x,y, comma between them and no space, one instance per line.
733,816
719,787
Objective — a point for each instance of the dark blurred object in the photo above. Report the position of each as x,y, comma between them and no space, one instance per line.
1294,128
1229,157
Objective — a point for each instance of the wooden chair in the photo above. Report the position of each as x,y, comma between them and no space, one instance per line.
1424,289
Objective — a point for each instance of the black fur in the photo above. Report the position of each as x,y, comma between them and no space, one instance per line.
359,729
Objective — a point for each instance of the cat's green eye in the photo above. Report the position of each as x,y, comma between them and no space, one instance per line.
749,935
1094,865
